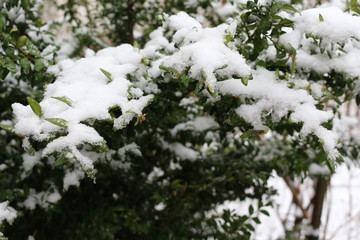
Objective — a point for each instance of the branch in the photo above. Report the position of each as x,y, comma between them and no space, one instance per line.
296,200
130,23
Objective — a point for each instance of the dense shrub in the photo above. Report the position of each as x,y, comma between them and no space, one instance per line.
143,140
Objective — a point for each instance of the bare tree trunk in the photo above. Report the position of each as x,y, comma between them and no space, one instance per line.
317,203
130,22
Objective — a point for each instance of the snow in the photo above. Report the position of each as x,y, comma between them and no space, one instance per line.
3,167
122,153
72,179
157,41
316,169
86,89
7,213
89,94
341,45
203,52
225,10
30,161
334,18
339,207
154,174
43,199
182,21
181,151
276,99
317,90
159,207
199,124
16,14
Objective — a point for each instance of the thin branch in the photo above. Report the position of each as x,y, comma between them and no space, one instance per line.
130,22
296,200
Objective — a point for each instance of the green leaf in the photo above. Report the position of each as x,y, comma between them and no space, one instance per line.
265,212
64,99
223,67
247,134
28,148
286,22
10,66
184,80
276,7
57,121
348,98
353,3
321,18
107,74
291,85
13,30
136,44
9,51
2,21
245,80
264,24
32,49
8,128
251,209
137,122
39,65
250,227
244,16
90,173
228,38
21,41
331,165
290,8
25,65
35,106
169,69
101,146
25,4
61,159
256,220
261,63
293,52
356,9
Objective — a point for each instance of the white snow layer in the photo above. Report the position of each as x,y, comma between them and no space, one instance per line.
203,51
89,87
276,99
89,95
43,199
7,213
337,46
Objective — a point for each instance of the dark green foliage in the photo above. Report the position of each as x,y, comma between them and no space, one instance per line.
124,202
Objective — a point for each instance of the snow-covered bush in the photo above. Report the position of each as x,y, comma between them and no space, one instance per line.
144,140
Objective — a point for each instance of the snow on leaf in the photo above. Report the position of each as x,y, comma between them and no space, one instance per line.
91,98
64,100
274,98
203,52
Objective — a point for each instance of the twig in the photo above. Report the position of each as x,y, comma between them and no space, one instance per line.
296,200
